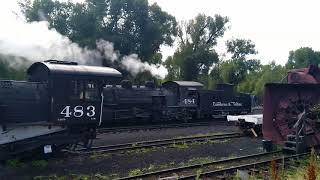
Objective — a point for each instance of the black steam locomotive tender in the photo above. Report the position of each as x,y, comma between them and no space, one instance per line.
60,104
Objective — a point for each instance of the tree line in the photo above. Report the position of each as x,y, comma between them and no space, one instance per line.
135,26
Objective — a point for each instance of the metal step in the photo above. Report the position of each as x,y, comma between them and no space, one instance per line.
289,149
291,137
290,143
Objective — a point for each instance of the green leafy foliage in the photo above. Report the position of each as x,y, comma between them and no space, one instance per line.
302,58
13,67
240,48
255,80
133,26
196,54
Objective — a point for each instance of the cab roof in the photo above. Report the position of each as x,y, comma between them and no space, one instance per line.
183,84
42,71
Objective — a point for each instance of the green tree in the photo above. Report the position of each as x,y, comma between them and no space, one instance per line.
195,55
303,57
238,67
215,76
173,69
13,68
133,26
56,12
240,48
255,81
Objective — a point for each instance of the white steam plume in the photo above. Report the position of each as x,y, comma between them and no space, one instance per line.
107,49
133,64
35,41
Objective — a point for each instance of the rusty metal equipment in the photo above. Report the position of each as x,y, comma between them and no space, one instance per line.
291,115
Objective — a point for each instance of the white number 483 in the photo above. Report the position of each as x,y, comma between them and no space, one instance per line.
78,111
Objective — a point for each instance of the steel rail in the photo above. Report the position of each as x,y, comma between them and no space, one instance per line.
160,126
158,143
244,166
173,170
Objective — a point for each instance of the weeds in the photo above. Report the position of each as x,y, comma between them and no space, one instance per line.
274,171
51,177
150,168
102,177
14,163
141,151
200,160
311,169
39,163
180,145
307,170
135,172
201,134
199,171
96,155
76,177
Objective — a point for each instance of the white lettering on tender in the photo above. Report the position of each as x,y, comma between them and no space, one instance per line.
220,104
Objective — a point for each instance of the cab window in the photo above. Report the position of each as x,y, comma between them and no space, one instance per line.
77,90
91,91
84,90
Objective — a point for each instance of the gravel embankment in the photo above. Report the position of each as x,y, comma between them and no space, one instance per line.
121,164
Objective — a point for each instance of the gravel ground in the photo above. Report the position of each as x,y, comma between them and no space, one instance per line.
121,164
127,137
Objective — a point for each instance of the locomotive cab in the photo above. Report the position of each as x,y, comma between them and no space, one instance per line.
182,93
182,99
75,91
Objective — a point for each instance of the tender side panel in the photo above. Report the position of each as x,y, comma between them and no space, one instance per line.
221,102
123,103
23,102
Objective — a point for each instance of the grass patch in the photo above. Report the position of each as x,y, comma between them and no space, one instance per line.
197,160
97,156
135,172
39,163
14,163
179,145
210,142
150,168
50,177
201,134
141,151
77,177
199,171
104,177
304,169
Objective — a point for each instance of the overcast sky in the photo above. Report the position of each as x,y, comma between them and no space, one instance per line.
275,26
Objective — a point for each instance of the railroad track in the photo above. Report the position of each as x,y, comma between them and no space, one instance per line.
158,143
215,168
156,127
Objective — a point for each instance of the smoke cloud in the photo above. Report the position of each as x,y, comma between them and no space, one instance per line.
132,63
35,41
